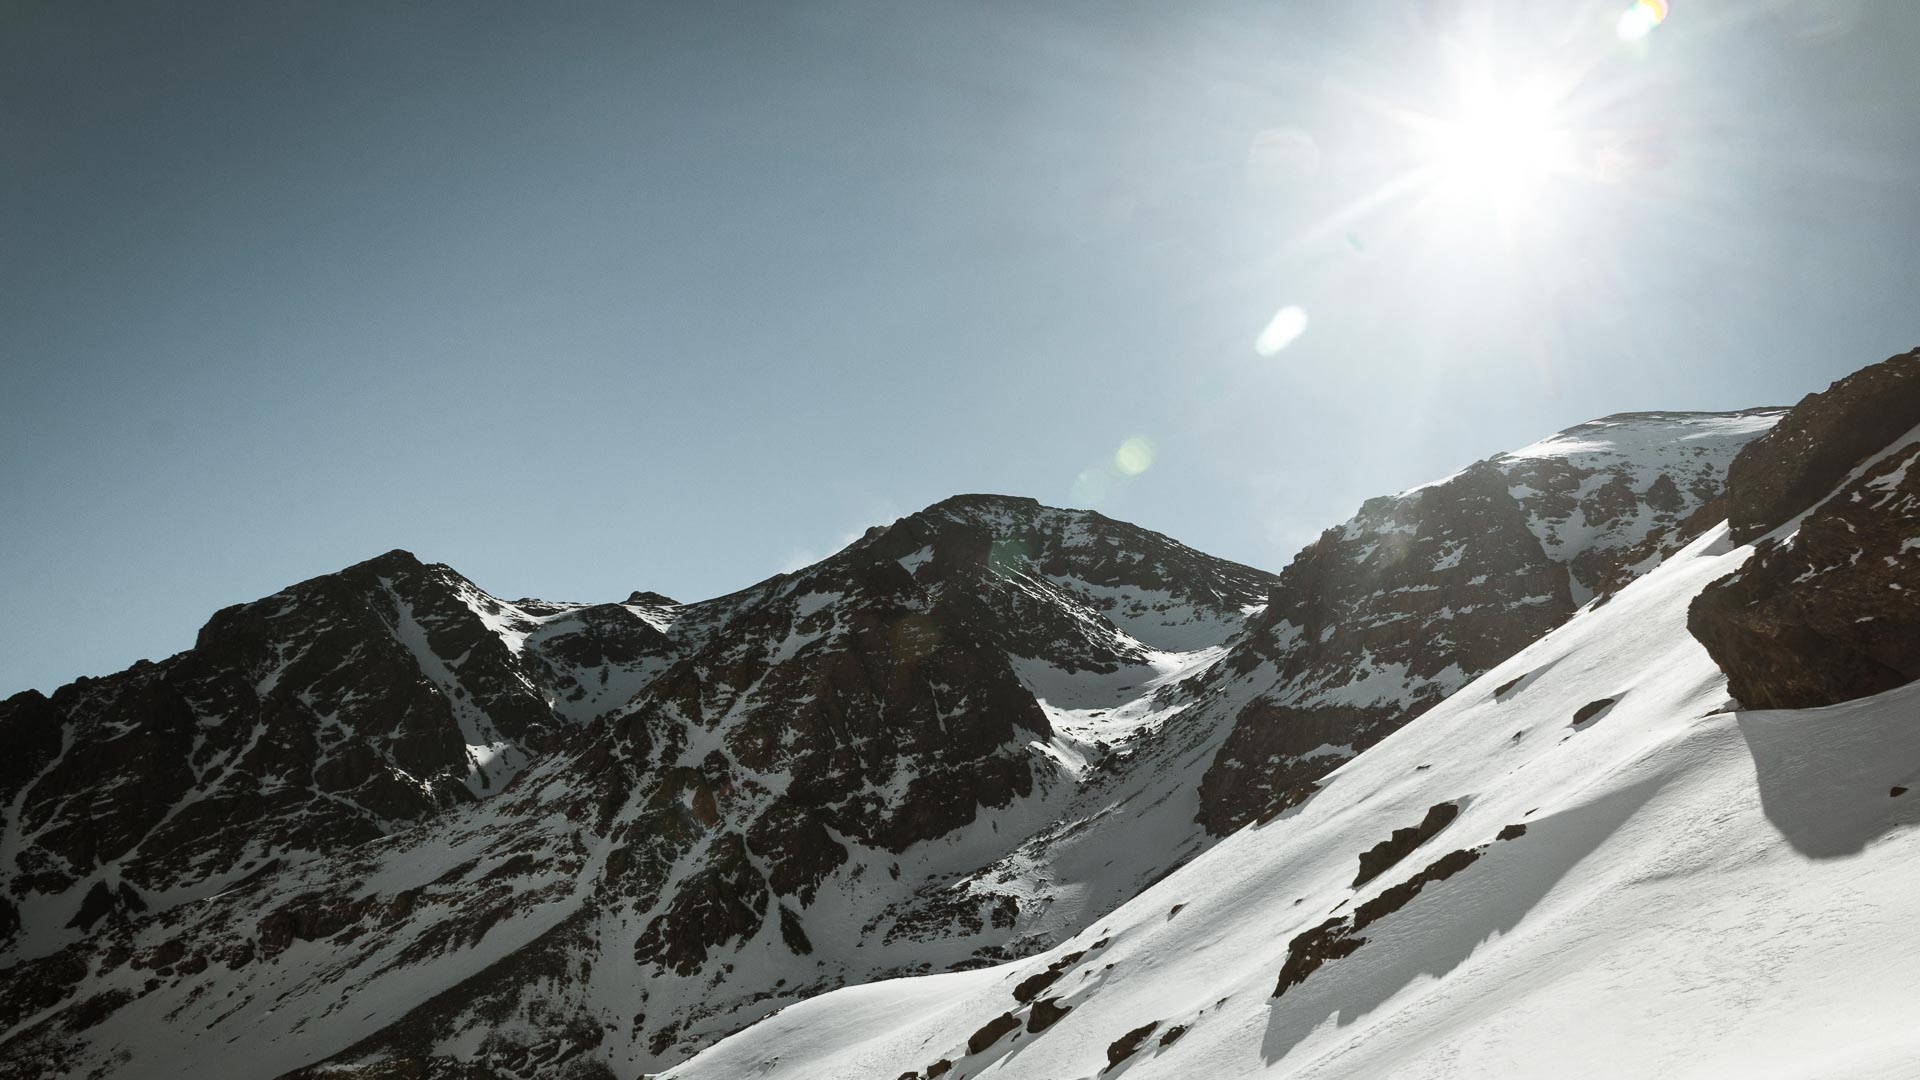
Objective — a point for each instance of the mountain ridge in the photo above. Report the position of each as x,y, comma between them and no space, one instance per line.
961,740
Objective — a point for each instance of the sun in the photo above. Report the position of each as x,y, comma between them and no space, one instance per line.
1500,147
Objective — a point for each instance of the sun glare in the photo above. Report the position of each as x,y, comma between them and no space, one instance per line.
1501,146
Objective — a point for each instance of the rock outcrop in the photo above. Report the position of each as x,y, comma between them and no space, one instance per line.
1818,443
1831,612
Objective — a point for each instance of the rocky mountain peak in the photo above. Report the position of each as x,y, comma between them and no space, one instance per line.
1383,617
329,714
618,831
642,598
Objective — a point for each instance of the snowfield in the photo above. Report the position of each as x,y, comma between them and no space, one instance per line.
1697,892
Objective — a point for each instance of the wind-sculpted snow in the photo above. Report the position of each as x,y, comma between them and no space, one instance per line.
1674,890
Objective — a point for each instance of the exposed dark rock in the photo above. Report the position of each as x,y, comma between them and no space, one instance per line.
97,905
939,1068
37,985
1309,949
1030,987
1045,1013
793,933
724,901
1339,936
1398,896
1818,443
312,917
1512,832
305,723
798,846
1380,619
1592,709
30,729
1446,582
1830,615
1383,855
1125,1046
1173,1034
991,1032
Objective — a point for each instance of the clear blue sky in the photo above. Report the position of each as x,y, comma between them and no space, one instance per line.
586,298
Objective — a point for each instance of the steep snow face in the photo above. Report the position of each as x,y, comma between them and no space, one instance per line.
1636,882
1384,616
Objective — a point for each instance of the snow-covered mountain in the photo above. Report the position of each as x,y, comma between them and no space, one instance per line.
788,800
332,713
384,824
1383,617
1588,861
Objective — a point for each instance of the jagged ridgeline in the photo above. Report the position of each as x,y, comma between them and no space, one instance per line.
1672,834
384,821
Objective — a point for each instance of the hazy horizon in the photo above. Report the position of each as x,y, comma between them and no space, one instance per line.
595,298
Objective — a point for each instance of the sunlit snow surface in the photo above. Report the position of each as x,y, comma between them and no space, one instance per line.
1699,893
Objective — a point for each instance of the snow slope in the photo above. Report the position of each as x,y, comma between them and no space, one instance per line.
1698,892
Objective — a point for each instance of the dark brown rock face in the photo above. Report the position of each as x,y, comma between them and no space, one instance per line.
1127,1045
321,717
1376,622
1339,937
874,702
1831,614
386,771
724,900
1045,1013
1817,444
1382,618
1383,856
991,1033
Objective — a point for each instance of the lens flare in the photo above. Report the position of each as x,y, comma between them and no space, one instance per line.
1639,20
1285,328
1091,488
1134,457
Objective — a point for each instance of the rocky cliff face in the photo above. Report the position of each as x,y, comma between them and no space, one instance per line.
1383,617
1818,443
1830,611
826,778
325,716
